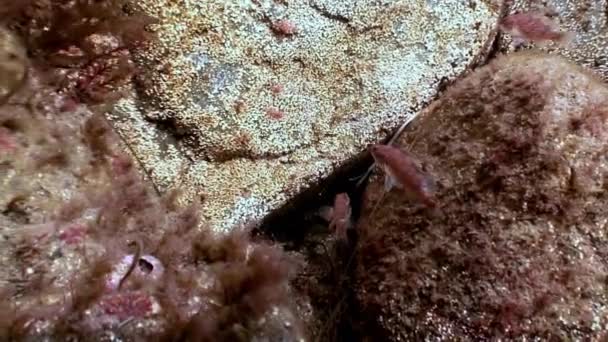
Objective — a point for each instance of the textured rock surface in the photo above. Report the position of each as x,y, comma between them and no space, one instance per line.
13,64
519,246
588,19
247,103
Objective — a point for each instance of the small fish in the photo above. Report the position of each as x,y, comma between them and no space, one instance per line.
401,171
339,216
534,26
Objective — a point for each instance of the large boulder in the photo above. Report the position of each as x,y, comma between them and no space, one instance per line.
518,245
246,104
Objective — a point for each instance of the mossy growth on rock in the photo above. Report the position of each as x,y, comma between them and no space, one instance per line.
519,246
92,252
74,208
84,46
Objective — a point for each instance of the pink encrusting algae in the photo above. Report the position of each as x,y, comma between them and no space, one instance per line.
73,234
276,88
285,27
275,113
126,305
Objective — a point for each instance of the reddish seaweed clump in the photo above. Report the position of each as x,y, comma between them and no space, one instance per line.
83,45
127,305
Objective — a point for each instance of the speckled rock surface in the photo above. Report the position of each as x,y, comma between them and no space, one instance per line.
247,103
587,19
518,247
13,64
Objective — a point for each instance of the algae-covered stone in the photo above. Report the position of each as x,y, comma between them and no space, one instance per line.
517,247
70,206
247,103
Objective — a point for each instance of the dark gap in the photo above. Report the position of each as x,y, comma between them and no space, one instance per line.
145,266
300,229
326,14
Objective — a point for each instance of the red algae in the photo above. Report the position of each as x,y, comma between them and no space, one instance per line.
276,88
127,305
73,233
275,113
534,26
7,141
285,27
83,45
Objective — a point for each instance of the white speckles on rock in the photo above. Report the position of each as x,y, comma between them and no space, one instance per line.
350,72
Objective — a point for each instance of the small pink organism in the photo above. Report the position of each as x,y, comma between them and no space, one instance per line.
7,141
74,233
401,171
339,216
276,88
285,27
126,305
275,113
534,26
100,79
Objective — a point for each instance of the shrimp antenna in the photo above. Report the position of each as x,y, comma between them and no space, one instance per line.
394,137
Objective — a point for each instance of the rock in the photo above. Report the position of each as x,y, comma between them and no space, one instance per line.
588,20
13,64
74,212
518,246
246,104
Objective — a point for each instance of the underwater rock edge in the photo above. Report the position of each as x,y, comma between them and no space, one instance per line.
243,190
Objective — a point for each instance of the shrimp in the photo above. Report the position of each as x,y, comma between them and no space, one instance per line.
401,171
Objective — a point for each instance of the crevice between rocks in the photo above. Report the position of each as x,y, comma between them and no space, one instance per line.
327,272
606,15
288,226
344,20
297,231
330,16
